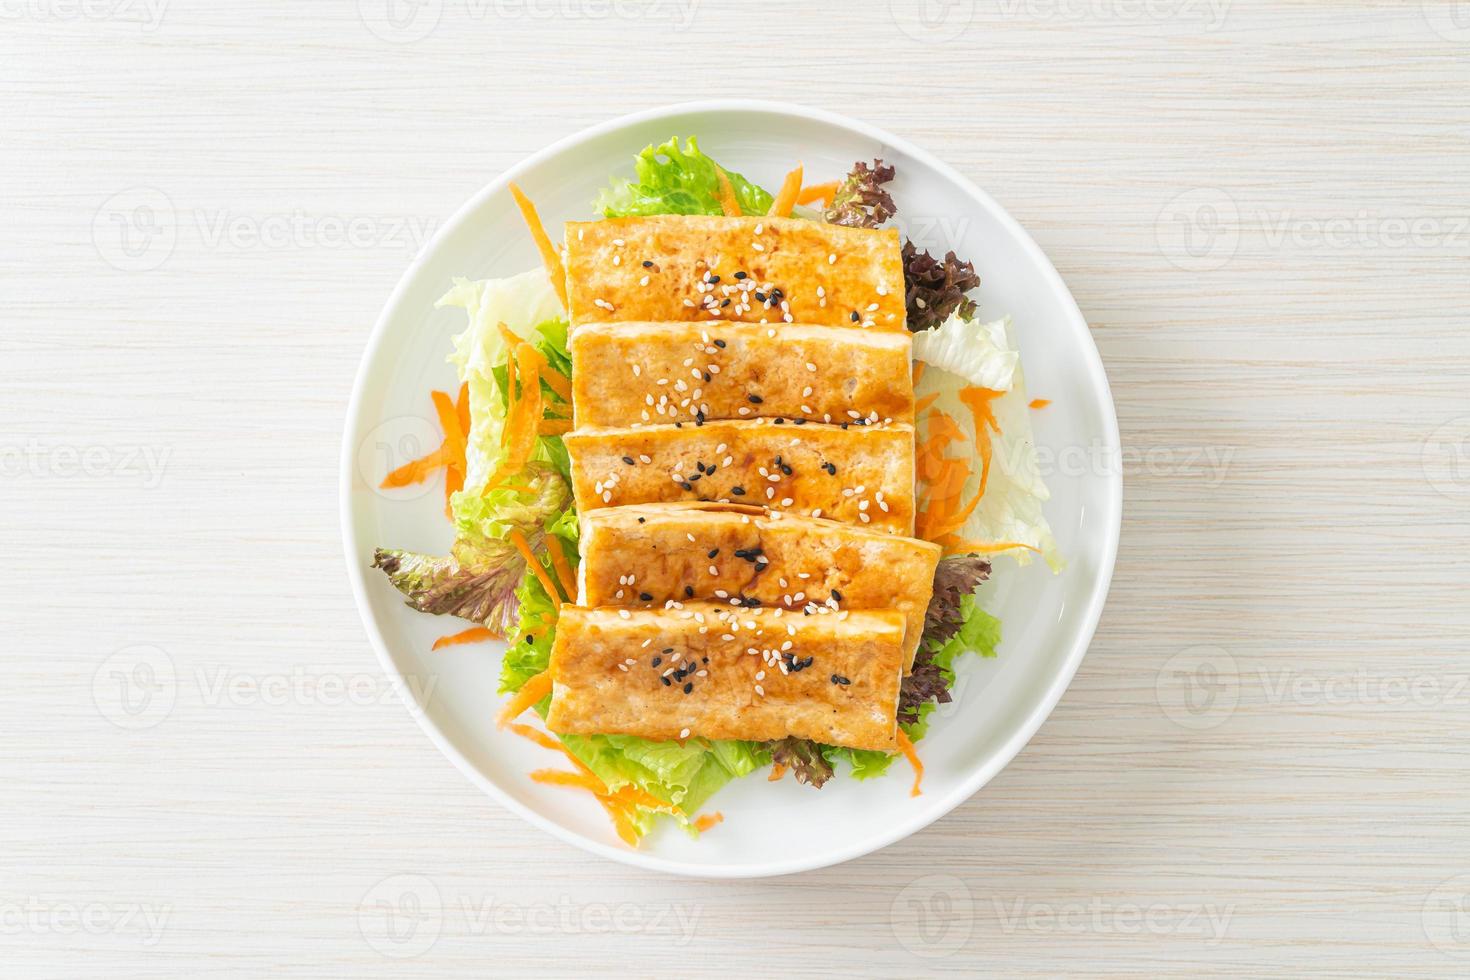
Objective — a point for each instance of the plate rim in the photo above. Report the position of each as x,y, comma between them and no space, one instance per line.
974,781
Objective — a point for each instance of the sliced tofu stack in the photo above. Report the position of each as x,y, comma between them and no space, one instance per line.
630,374
649,555
859,474
743,464
716,672
671,268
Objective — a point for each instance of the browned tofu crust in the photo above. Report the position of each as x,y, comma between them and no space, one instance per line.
717,672
713,269
630,373
647,555
855,474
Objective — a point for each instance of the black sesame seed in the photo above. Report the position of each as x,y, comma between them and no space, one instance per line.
855,317
530,638
754,399
667,682
837,595
687,485
785,469
678,425
714,279
628,460
720,343
688,592
699,416
738,491
706,377
642,520
780,420
711,471
668,649
656,661
713,552
694,477
839,679
830,468
798,421
688,687
739,275
645,597
760,297
724,303
647,264
704,660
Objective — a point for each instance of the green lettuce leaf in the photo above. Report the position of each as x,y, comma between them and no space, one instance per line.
671,179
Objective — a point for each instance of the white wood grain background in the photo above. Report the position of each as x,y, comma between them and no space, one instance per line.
1261,207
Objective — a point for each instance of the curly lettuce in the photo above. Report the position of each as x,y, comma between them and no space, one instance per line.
674,179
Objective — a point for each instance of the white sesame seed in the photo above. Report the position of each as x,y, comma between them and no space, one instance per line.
760,690
760,227
683,733
757,246
607,496
619,242
832,259
637,370
644,459
811,367
713,570
787,501
643,281
624,614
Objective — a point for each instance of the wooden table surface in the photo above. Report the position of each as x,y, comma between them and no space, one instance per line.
1263,209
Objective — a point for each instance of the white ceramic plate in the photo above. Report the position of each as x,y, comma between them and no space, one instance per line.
769,828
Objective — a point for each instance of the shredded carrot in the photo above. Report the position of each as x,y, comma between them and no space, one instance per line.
418,470
462,408
778,770
474,634
907,748
530,693
955,546
449,422
622,823
707,820
817,192
787,195
560,777
522,413
563,567
536,735
918,372
549,254
553,427
524,547
923,403
729,203
1040,402
554,379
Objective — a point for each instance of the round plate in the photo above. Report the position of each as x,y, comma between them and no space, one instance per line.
1048,620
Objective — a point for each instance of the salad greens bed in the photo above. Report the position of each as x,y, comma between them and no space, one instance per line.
487,580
